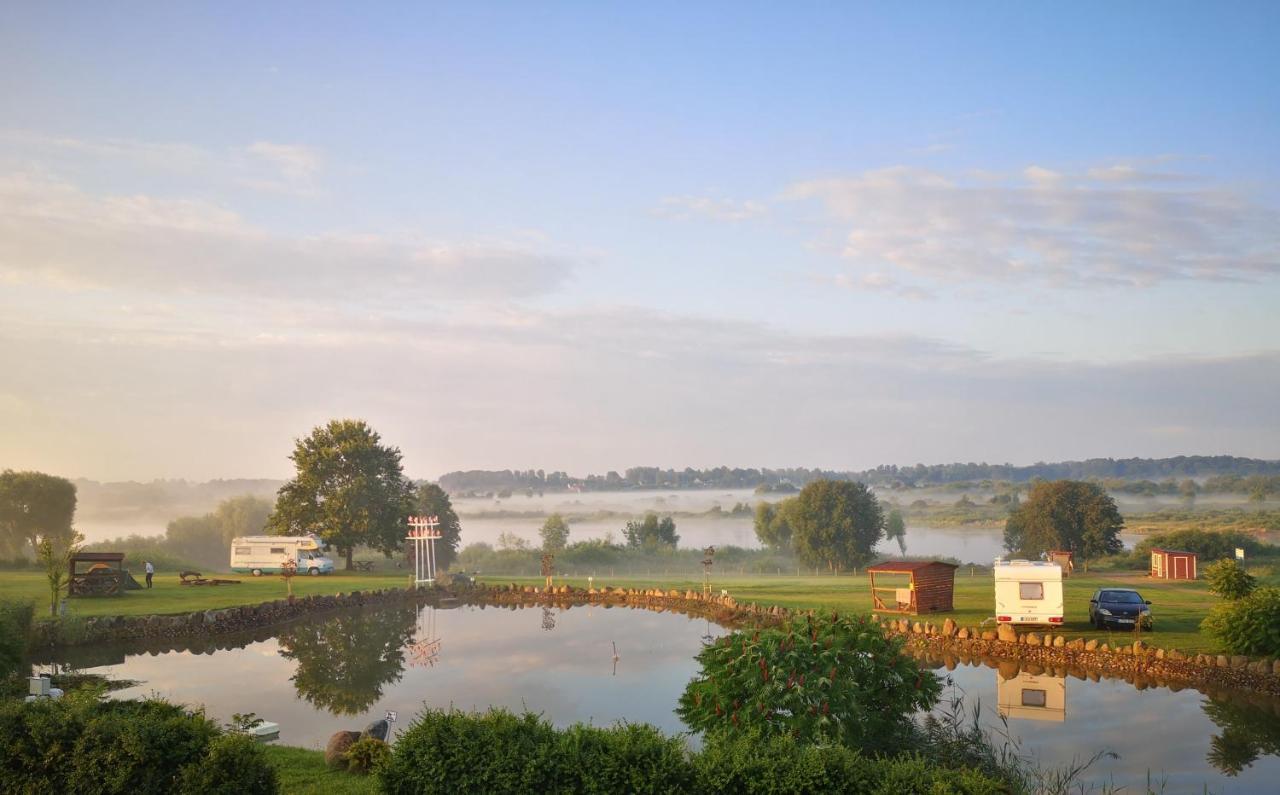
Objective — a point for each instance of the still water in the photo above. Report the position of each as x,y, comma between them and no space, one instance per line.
344,669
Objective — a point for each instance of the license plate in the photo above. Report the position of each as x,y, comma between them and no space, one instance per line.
1124,620
1026,618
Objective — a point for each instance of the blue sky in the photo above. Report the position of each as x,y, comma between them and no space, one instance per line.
580,236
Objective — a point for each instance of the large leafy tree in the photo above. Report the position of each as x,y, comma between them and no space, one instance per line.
431,500
350,490
835,523
1065,514
555,534
772,527
35,507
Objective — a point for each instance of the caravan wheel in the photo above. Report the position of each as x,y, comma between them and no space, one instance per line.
257,572
313,572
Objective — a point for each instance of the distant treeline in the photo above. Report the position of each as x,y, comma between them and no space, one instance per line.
506,482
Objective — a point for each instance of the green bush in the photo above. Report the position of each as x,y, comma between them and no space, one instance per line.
15,633
825,680
81,744
366,755
235,764
753,764
1228,579
630,757
1250,625
1210,545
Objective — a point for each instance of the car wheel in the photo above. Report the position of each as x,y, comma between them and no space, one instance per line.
314,572
257,572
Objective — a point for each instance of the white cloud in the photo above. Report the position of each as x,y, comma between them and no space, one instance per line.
685,207
1113,225
54,233
293,161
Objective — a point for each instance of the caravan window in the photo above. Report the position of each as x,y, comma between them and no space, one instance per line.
244,550
1034,698
1030,590
277,550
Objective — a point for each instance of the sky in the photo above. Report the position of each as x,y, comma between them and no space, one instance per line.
586,236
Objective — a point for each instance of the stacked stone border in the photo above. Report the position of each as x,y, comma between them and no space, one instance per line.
1136,662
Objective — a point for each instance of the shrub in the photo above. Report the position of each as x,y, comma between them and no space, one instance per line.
1250,625
754,764
1228,579
366,755
1208,544
630,757
235,764
827,679
15,632
81,744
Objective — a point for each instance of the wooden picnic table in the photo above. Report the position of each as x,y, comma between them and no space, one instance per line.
364,565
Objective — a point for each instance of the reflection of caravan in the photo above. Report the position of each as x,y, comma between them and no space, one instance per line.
1028,593
1032,697
259,554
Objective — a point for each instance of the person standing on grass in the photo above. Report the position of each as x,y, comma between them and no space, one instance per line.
151,571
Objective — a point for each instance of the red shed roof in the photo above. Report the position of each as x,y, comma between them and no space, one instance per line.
907,566
1174,551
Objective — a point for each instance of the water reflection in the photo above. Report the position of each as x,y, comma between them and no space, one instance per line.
1028,696
1248,731
344,662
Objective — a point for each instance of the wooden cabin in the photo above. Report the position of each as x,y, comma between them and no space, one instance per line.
96,574
1064,558
912,586
1173,564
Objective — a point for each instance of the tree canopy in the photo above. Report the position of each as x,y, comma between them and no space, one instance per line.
651,532
835,523
772,527
34,506
895,527
555,533
349,490
1068,515
431,500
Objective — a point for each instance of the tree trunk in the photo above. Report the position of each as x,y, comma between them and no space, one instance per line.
350,551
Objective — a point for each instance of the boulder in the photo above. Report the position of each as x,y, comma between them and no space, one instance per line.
917,628
1076,644
1007,634
1139,647
1059,642
1275,667
962,633
337,746
949,627
988,634
1239,661
1091,644
1032,639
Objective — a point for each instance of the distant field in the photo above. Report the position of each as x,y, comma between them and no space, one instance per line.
1178,607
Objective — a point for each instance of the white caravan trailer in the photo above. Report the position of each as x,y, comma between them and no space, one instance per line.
1028,593
257,555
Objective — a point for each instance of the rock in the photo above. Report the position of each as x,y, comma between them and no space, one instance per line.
1139,647
1174,654
1259,667
1104,648
1008,669
1032,639
1238,661
1275,667
1091,644
988,634
1160,654
949,627
1076,644
337,746
917,629
378,730
1006,634
962,633
1059,642
1221,661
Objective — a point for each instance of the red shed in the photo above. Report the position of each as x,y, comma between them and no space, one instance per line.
930,586
1173,564
1064,558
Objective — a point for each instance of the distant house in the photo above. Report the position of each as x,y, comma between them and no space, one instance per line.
930,586
1065,559
1173,564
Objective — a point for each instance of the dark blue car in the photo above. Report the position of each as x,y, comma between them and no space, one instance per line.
1119,608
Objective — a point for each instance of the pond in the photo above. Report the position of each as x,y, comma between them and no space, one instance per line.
346,668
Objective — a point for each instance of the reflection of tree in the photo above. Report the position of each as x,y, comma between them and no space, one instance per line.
1248,731
345,659
548,619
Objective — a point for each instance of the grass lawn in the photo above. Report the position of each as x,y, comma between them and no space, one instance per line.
1178,607
303,772
168,596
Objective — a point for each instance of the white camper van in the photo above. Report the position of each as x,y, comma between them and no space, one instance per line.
257,555
1028,593
1032,697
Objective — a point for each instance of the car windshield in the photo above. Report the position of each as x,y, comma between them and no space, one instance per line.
1122,597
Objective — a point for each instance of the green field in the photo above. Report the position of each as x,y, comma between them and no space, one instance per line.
1178,607
302,772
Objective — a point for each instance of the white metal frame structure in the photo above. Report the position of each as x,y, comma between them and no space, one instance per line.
423,535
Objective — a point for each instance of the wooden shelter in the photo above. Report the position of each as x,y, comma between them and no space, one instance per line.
929,586
1064,558
1173,564
96,574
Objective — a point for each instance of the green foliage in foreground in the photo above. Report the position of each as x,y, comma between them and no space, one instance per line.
1250,625
499,752
302,771
82,744
15,629
828,679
